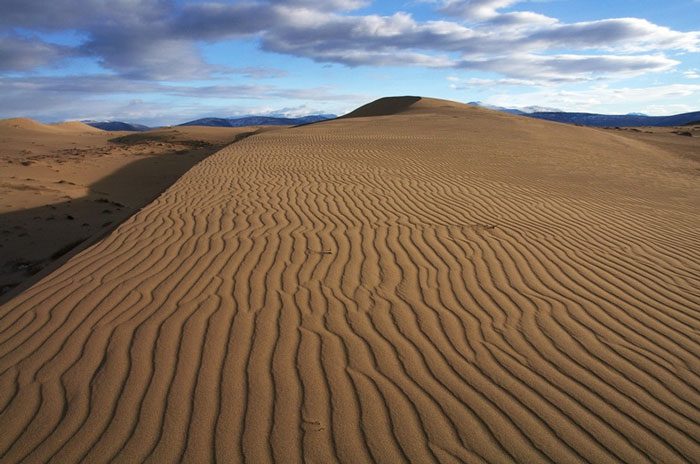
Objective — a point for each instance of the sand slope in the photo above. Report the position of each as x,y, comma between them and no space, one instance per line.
437,285
64,186
30,125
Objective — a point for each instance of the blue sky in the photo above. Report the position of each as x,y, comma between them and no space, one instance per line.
169,61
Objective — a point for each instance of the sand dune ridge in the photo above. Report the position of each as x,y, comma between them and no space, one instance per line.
377,289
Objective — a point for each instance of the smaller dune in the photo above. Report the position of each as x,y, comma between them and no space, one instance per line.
23,123
28,124
76,126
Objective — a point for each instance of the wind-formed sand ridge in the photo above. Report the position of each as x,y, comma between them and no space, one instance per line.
435,283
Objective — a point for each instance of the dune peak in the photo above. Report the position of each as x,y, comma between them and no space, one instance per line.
21,123
388,106
75,126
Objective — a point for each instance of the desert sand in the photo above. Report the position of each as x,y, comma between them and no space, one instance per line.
681,140
421,281
63,186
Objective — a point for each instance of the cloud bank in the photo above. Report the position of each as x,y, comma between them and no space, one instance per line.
157,39
136,41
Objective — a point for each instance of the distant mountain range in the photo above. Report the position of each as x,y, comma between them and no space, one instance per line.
518,111
218,122
538,112
258,121
598,120
618,120
117,126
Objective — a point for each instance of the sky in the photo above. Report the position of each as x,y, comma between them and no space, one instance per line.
160,62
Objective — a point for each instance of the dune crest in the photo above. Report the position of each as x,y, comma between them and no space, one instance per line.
76,126
32,125
418,288
388,106
23,123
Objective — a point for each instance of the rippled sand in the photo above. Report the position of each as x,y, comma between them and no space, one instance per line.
438,284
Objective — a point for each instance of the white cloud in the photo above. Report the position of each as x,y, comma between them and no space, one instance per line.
89,97
464,84
603,98
620,34
571,68
475,10
163,45
22,54
142,43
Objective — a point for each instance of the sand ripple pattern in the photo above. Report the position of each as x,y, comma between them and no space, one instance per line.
332,293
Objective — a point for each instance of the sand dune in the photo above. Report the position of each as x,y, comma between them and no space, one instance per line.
28,124
77,126
26,139
23,123
64,186
681,140
388,106
424,283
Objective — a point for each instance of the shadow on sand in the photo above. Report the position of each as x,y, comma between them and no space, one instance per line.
36,241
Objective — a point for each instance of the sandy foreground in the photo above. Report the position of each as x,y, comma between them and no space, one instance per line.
66,185
428,283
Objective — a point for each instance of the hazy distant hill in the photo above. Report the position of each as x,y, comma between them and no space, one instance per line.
117,126
598,120
619,120
258,121
517,111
